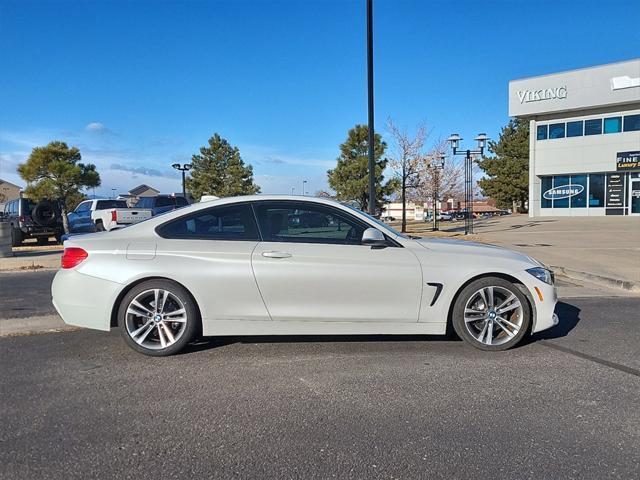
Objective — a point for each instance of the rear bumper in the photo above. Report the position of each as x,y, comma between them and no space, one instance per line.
84,301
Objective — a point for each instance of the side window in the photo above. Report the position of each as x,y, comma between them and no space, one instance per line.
233,222
305,222
83,207
145,202
181,202
164,202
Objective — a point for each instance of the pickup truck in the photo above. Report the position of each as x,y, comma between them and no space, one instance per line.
162,203
101,215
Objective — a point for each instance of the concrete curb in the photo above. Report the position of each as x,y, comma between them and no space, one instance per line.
598,279
25,326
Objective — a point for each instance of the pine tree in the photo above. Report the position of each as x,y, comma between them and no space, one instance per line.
350,178
219,170
507,180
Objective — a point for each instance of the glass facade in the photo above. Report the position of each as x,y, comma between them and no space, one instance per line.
593,126
572,191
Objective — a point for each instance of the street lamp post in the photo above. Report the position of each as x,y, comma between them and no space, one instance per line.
371,146
183,168
436,166
304,189
113,192
454,139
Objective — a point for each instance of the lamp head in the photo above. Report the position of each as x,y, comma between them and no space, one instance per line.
482,140
176,166
454,139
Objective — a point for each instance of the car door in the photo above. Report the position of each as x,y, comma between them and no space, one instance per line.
312,266
80,218
209,252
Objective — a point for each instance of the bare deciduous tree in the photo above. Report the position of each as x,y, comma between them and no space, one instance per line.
407,161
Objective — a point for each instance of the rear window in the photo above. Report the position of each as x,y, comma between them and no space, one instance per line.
105,204
145,202
165,202
233,222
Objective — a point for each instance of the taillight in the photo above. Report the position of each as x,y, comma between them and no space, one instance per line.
114,216
73,256
21,218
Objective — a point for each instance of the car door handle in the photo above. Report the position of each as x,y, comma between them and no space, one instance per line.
276,254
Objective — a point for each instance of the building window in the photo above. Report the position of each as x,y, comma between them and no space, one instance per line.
631,123
547,184
593,127
560,181
556,130
580,199
596,190
613,125
574,129
543,132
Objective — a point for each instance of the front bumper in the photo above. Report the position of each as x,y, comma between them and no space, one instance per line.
545,316
83,300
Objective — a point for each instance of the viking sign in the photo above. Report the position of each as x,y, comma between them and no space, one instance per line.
563,191
526,96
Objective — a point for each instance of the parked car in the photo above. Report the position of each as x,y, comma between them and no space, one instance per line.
235,266
29,219
464,214
101,215
162,203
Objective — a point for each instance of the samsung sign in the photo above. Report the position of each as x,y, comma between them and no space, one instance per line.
528,96
563,191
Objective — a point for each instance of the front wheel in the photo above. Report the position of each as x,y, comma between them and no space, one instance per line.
158,318
491,314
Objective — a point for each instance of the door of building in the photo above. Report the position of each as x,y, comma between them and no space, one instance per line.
634,196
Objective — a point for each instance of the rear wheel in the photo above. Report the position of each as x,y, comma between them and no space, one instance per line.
100,226
491,314
158,318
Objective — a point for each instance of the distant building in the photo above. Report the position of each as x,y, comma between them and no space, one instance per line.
584,147
8,191
137,193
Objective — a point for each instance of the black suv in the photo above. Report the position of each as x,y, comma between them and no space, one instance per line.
33,220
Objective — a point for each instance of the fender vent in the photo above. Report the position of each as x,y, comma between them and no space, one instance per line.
438,287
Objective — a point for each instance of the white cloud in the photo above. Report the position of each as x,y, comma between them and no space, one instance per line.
96,127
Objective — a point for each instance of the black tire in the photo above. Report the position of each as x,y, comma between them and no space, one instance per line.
522,316
192,319
16,237
100,226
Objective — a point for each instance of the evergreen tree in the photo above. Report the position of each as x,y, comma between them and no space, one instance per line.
507,173
219,170
54,172
350,178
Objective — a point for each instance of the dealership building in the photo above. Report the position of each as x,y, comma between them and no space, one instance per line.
584,150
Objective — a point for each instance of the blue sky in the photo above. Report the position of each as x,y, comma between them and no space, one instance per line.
140,85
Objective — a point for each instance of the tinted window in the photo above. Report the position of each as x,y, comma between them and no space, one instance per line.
593,127
632,123
543,131
560,182
547,184
105,204
579,200
165,202
233,222
181,202
612,125
574,129
556,130
305,222
596,190
145,202
83,207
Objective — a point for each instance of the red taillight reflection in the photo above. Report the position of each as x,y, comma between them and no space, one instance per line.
114,216
73,256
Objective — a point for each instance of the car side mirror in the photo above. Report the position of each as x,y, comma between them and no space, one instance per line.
374,238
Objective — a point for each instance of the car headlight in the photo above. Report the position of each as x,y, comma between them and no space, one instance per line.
541,274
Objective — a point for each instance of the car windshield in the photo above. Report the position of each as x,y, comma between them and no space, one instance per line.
390,230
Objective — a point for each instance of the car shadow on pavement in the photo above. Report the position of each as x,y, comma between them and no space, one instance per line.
569,316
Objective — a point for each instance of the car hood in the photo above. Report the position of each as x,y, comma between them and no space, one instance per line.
458,248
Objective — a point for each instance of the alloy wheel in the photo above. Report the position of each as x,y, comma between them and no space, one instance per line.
156,319
493,315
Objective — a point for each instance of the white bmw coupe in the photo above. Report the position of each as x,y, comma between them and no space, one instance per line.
286,265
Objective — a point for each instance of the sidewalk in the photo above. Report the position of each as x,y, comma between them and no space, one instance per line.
33,258
596,246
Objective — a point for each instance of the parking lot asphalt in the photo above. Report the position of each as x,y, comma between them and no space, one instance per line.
565,405
26,294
